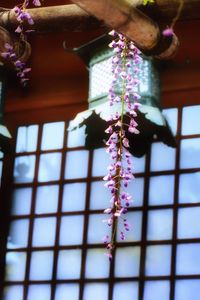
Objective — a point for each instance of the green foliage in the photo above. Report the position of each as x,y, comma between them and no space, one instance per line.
145,2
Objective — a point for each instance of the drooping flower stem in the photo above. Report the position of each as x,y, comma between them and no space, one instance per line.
124,68
12,51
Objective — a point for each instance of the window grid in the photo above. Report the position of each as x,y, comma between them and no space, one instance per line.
142,278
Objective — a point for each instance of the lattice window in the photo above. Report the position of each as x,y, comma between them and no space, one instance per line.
55,249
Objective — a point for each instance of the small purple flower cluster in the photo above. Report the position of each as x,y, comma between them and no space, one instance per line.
125,69
22,16
20,67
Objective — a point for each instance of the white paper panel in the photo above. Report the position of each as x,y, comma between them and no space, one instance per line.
171,115
27,138
189,188
136,190
162,157
94,269
161,190
44,232
138,164
76,165
69,264
187,289
188,222
101,228
101,161
18,236
53,136
125,290
100,195
71,231
189,156
188,259
1,169
74,195
15,266
190,120
159,224
13,292
47,199
24,169
135,221
1,154
49,168
21,201
158,260
67,291
39,292
127,262
156,290
41,265
99,291
76,138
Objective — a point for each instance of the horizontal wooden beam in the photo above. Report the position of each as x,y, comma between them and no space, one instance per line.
119,14
53,18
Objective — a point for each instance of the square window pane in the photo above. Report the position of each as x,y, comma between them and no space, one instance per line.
44,232
71,290
187,289
188,259
138,164
94,269
125,290
100,196
15,266
74,195
47,199
189,188
71,231
101,161
24,169
1,169
190,120
41,265
156,290
171,115
127,262
13,292
76,138
158,260
162,157
99,291
97,229
189,229
53,136
39,292
134,219
189,156
160,224
49,168
27,138
161,190
136,190
21,201
18,236
69,264
76,165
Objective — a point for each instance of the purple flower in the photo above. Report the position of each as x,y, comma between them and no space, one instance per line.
168,32
36,3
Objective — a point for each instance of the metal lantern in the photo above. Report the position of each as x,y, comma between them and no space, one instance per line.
151,123
4,133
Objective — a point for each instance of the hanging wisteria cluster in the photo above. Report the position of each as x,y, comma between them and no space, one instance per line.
10,54
125,69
